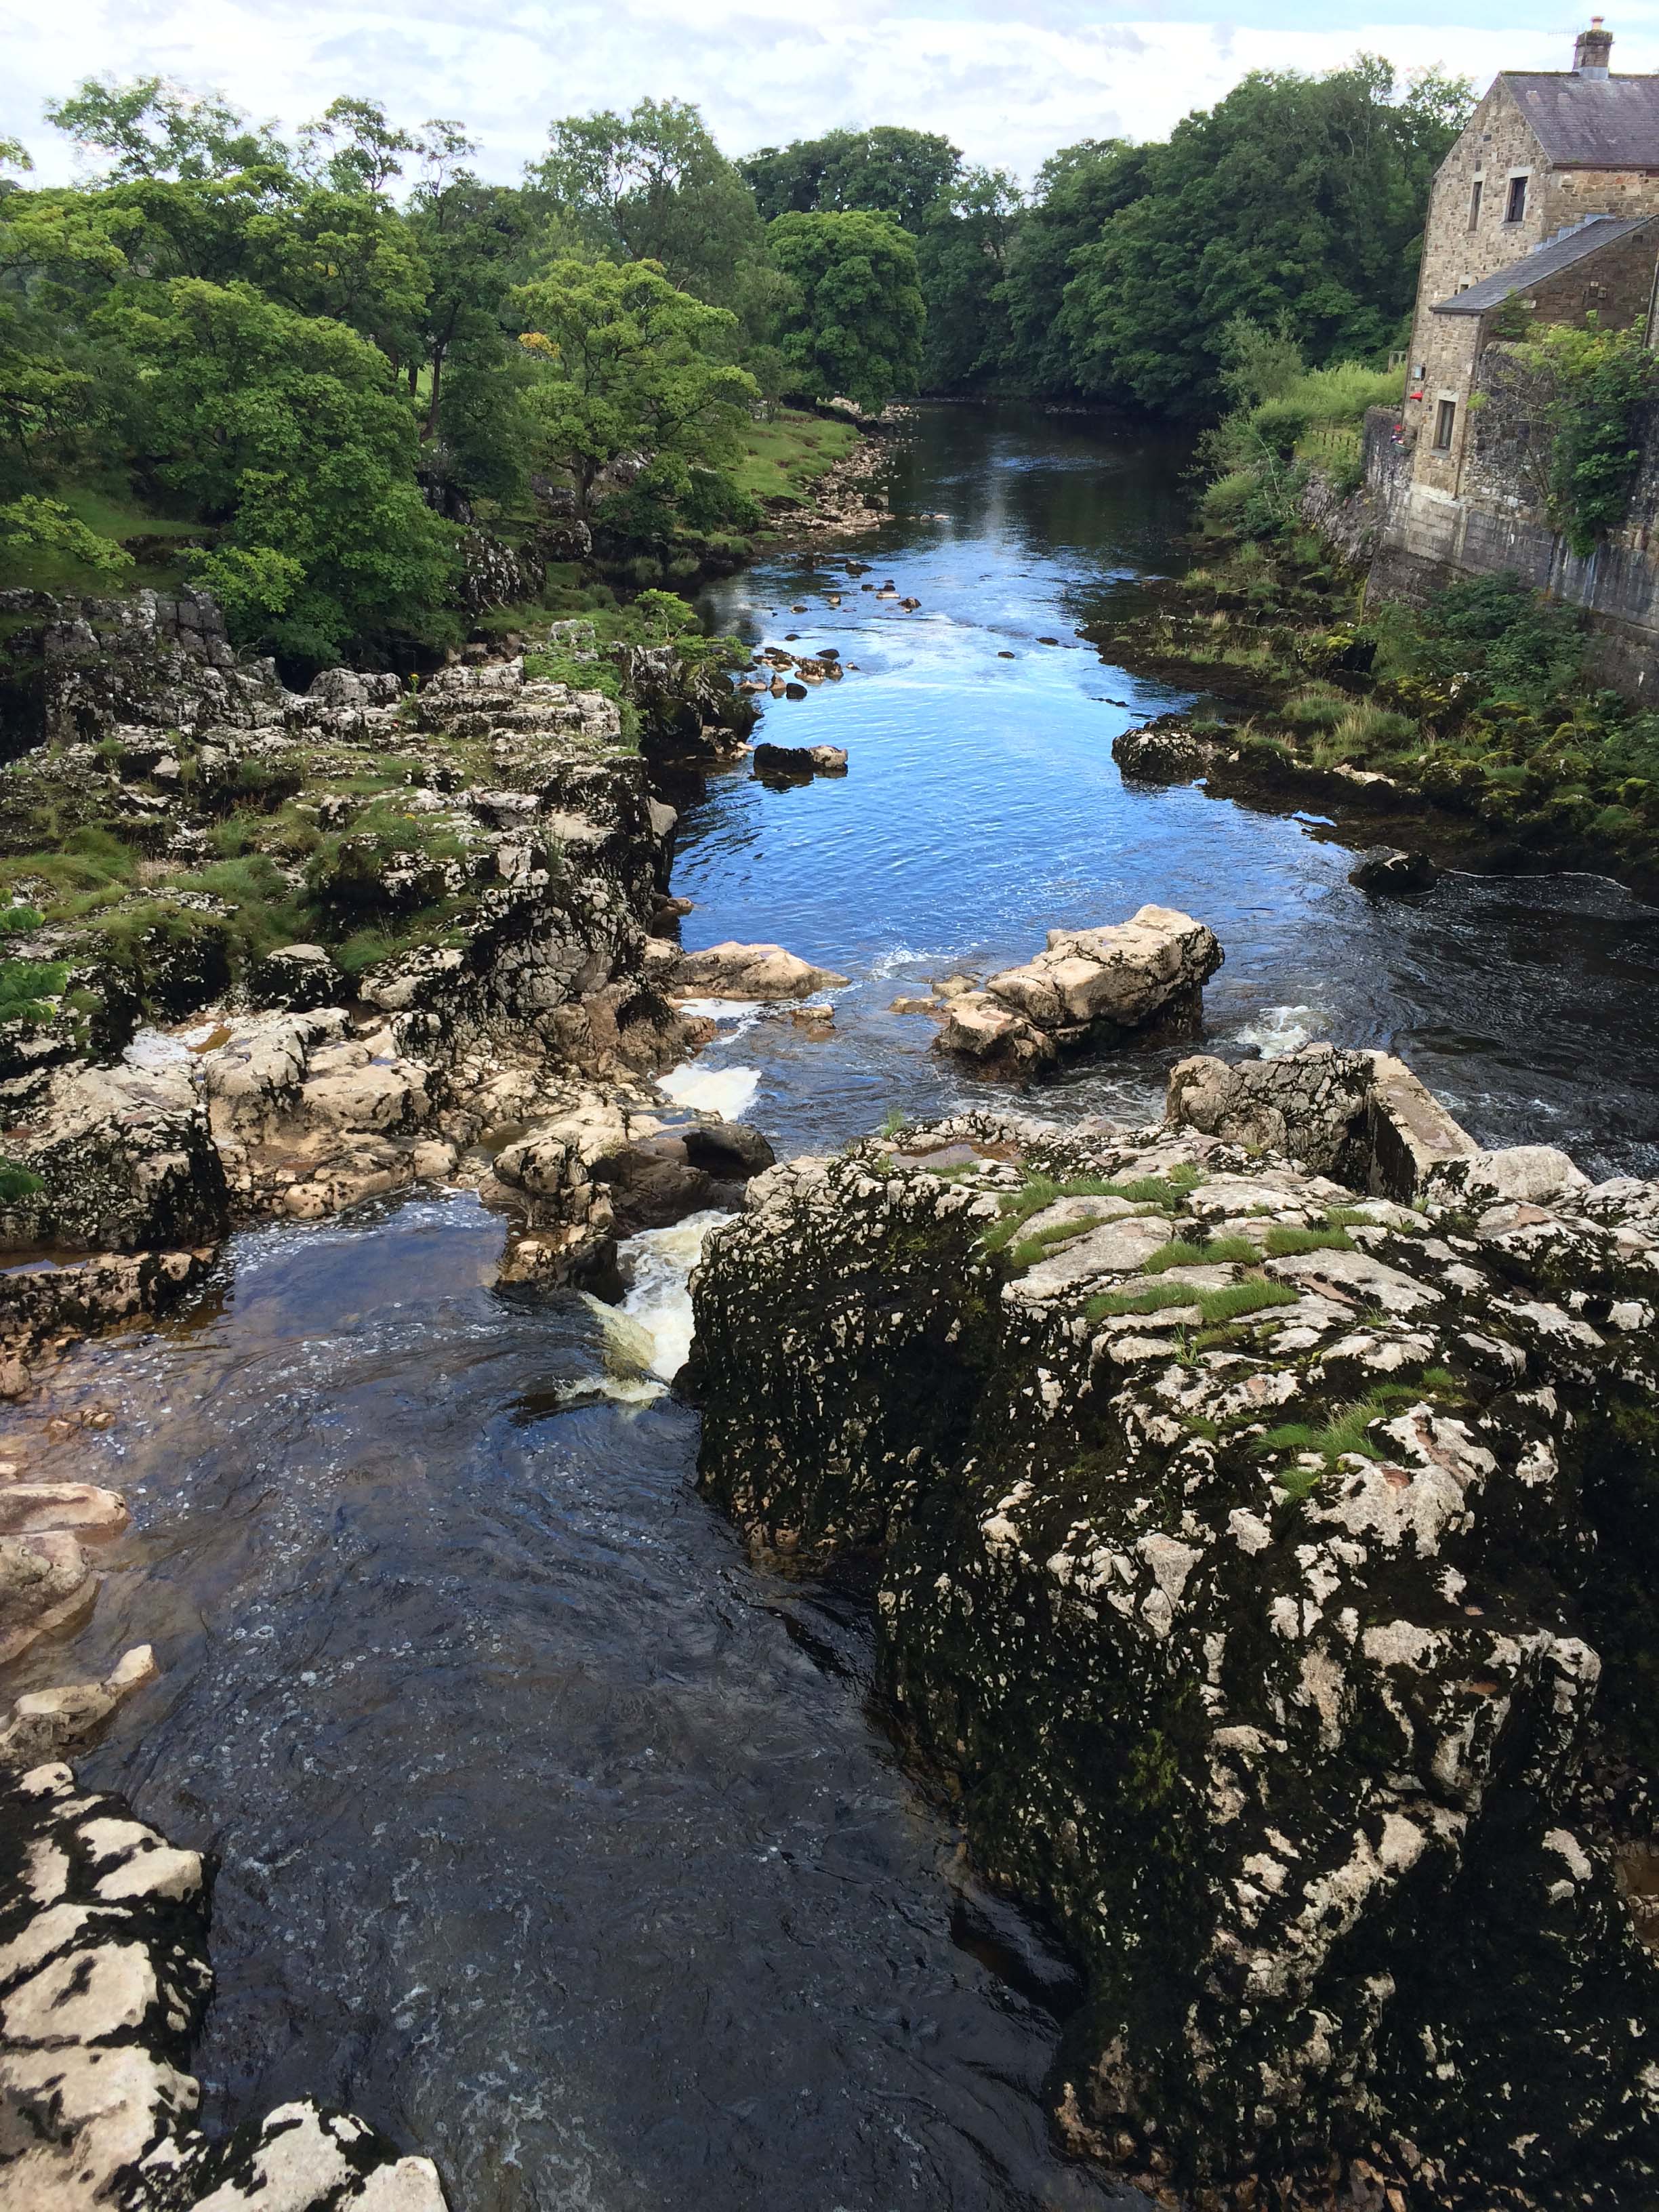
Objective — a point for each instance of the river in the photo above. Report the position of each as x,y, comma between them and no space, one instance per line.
552,1836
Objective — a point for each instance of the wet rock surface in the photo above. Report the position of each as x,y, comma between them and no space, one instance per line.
104,1978
1262,1569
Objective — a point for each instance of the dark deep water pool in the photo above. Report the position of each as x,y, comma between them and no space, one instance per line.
552,1836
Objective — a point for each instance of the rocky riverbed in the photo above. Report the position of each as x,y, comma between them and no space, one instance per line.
523,1799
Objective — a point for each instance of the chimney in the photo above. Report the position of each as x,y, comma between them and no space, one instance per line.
1590,53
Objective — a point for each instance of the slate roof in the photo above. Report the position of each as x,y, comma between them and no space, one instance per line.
1591,123
1546,260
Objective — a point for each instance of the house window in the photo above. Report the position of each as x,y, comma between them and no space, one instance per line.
1445,416
1515,209
1475,189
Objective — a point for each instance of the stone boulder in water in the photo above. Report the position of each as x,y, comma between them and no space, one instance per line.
1088,987
751,971
1263,1561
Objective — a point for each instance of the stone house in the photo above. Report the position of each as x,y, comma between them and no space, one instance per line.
1550,197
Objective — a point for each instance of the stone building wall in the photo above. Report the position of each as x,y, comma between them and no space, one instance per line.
1499,146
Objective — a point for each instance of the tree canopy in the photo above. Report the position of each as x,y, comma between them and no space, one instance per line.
314,354
853,325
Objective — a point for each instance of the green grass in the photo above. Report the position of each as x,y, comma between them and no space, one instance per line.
783,458
1288,1243
123,520
1343,1435
1230,1303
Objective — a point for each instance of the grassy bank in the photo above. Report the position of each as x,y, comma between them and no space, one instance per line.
1477,710
783,456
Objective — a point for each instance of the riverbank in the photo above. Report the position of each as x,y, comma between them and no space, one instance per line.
1467,727
527,1791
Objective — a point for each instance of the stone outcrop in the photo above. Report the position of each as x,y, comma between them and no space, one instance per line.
1387,870
125,1161
47,1307
1090,987
1361,1116
797,763
729,970
524,828
1261,1561
104,1980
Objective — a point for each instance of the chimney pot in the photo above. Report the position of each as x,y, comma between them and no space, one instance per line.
1592,51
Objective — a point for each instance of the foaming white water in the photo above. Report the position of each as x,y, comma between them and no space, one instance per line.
1278,1030
630,1352
903,956
727,1092
742,1011
659,1305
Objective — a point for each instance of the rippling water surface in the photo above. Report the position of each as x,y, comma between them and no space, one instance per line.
552,1835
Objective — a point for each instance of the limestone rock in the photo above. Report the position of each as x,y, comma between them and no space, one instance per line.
45,1722
1164,751
797,763
297,977
126,1160
1121,975
104,1980
731,970
1361,1116
1255,1563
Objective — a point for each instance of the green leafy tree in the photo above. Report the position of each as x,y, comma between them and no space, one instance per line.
47,525
153,128
473,238
902,174
288,431
1296,196
652,185
1600,385
962,266
1077,191
352,147
854,326
627,364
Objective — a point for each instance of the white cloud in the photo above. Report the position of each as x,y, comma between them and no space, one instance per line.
1018,79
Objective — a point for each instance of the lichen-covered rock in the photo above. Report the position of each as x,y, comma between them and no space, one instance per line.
125,1161
1259,1559
1387,870
1361,1116
104,1981
47,1306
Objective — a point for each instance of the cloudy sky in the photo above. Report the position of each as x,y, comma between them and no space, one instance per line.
1008,80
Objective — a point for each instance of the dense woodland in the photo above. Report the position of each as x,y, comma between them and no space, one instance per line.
312,363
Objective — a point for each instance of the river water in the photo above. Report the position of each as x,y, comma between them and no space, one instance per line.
551,1836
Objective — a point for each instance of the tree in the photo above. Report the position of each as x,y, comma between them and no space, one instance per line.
153,128
352,147
47,525
1296,196
855,326
962,264
288,432
653,185
628,364
471,236
1078,191
902,174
